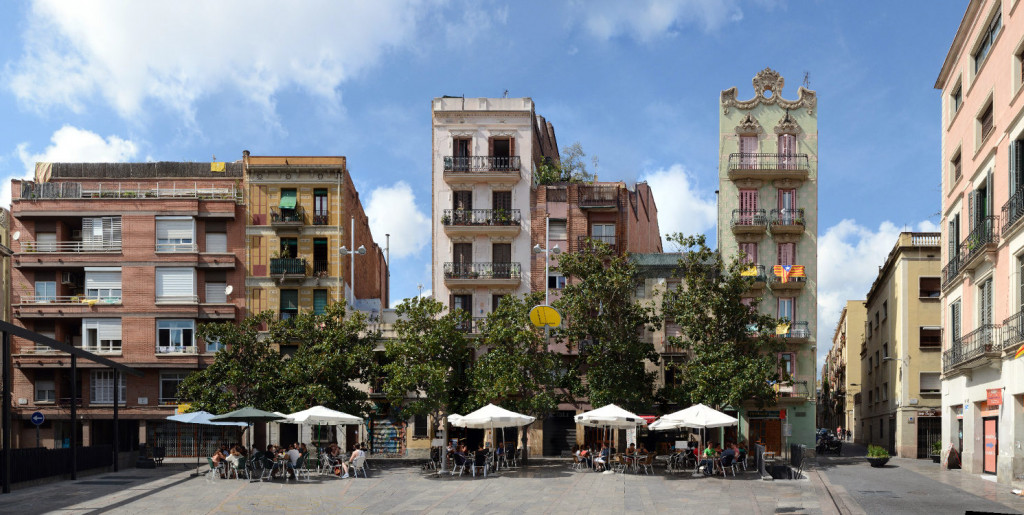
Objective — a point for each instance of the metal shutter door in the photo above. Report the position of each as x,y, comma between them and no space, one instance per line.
102,279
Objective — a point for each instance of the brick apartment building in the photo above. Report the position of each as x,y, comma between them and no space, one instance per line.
123,260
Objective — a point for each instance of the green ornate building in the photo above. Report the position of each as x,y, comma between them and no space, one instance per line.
768,210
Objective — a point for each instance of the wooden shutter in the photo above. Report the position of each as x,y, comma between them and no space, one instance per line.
748,200
786,254
750,249
748,144
970,210
951,239
175,283
1013,167
462,199
501,252
1018,167
463,252
501,200
954,313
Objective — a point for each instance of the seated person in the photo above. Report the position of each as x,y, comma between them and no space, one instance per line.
356,453
480,456
728,456
709,459
232,457
631,450
293,459
642,449
601,462
218,460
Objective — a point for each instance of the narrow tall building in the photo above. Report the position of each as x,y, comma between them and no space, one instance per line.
484,153
300,211
982,240
123,260
900,365
844,367
768,211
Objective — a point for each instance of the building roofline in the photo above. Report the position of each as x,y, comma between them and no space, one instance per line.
890,260
959,40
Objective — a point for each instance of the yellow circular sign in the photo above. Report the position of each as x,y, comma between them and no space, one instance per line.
542,316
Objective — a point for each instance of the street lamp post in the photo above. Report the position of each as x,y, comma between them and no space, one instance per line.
352,260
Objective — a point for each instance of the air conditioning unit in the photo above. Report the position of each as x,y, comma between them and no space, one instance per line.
68,278
76,234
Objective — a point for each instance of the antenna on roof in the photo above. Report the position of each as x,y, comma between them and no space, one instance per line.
807,80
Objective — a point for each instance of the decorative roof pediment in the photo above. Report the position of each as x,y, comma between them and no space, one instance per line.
749,125
787,125
768,91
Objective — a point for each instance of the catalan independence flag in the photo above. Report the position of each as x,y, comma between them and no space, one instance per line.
1020,351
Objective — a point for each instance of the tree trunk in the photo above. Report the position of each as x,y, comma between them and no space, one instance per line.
523,442
444,443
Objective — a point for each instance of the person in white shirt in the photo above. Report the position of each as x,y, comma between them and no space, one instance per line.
293,459
356,454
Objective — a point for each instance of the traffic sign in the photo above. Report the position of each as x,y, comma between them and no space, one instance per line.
37,418
542,316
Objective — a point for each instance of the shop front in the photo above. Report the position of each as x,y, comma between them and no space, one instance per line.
764,427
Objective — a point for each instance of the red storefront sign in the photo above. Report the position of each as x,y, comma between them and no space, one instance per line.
995,397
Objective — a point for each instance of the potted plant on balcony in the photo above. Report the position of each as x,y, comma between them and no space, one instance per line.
877,456
501,217
936,451
446,219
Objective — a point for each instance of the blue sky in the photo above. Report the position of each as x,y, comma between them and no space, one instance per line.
636,83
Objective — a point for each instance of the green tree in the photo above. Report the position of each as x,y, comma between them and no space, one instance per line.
597,306
516,369
335,351
430,358
733,345
570,167
245,373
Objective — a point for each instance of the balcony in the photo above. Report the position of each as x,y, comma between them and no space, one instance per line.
482,274
102,247
321,218
288,268
481,168
589,243
768,166
757,274
41,306
287,218
598,197
786,221
968,352
782,279
1013,331
796,332
473,326
177,349
126,190
951,270
978,247
1013,212
177,248
481,221
748,221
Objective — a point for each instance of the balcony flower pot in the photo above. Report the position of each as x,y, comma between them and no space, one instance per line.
446,220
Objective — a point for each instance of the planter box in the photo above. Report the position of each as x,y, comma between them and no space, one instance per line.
877,462
936,458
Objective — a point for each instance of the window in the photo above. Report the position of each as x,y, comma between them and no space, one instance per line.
321,263
46,291
289,248
987,39
956,167
557,230
1020,275
176,285
870,364
502,152
885,350
320,216
749,251
885,391
496,301
216,237
45,390
101,387
101,334
748,207
603,232
985,303
175,336
46,242
930,338
289,306
463,302
419,424
641,289
501,200
169,382
956,99
288,206
101,233
930,382
216,290
876,319
954,319
175,234
556,281
877,359
985,122
885,310
871,397
929,288
786,365
786,308
103,284
319,301
748,152
213,345
786,254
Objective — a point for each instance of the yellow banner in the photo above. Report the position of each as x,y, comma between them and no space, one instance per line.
781,329
218,167
182,409
750,271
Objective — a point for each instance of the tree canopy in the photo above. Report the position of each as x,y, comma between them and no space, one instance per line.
733,346
570,167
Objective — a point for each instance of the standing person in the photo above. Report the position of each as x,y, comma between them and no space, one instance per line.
839,431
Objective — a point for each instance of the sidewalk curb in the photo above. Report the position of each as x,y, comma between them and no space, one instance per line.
841,499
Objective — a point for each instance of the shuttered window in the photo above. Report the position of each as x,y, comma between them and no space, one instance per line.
101,233
101,334
103,283
175,234
176,285
749,251
557,230
216,293
101,387
985,303
787,254
319,301
46,242
930,382
216,242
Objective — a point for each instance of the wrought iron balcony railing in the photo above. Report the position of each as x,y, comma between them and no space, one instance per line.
71,246
970,346
1013,209
748,217
768,161
321,219
287,266
474,325
460,164
1013,330
985,231
296,216
796,330
598,196
787,217
795,275
951,270
468,217
482,270
755,272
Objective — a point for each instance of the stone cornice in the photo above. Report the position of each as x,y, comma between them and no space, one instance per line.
768,91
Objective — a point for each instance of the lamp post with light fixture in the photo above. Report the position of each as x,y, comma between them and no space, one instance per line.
352,260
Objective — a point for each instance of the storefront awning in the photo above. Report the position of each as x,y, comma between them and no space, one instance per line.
287,199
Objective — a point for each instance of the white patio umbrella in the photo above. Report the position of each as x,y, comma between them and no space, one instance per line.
323,416
611,417
491,417
697,416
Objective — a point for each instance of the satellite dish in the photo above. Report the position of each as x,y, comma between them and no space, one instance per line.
16,236
228,289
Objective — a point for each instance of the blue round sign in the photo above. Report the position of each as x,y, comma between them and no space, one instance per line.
37,418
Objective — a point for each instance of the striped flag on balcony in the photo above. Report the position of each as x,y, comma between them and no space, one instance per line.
784,272
1020,351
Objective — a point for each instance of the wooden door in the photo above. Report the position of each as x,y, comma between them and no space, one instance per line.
748,206
748,149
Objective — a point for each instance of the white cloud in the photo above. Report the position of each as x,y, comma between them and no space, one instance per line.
647,20
849,255
392,210
682,207
71,144
176,53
